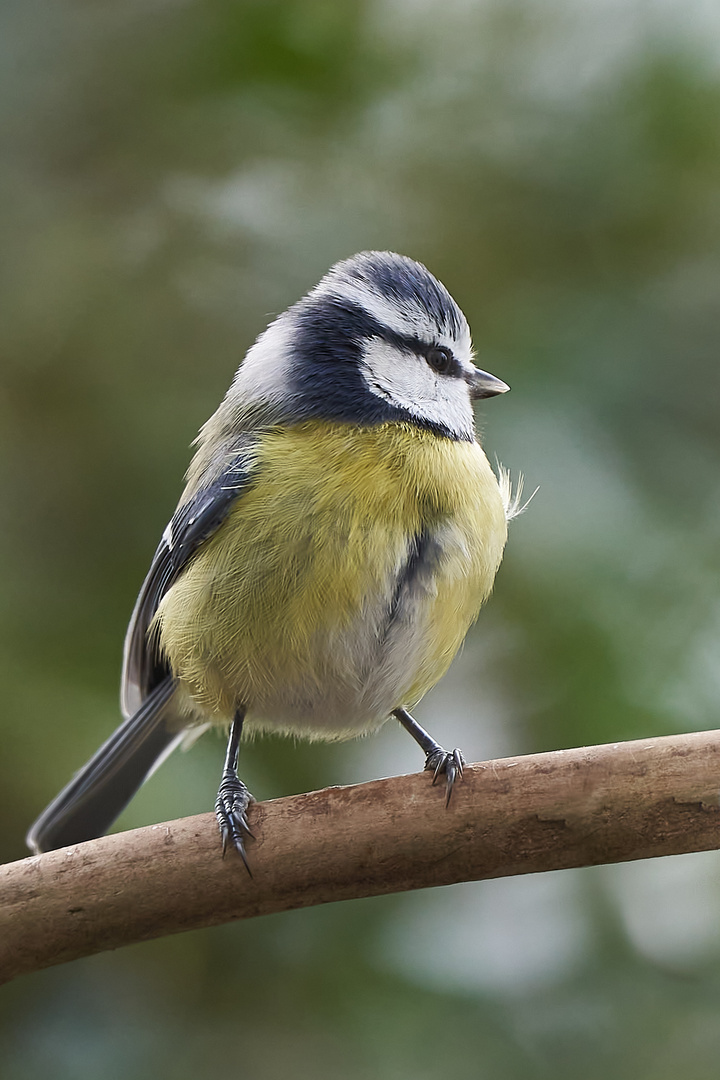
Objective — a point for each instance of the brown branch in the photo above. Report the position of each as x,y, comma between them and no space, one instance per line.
515,816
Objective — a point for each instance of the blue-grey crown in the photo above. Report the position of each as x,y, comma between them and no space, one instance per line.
404,282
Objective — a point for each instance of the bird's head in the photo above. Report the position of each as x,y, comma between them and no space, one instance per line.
378,339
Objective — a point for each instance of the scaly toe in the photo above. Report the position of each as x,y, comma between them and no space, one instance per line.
231,805
450,764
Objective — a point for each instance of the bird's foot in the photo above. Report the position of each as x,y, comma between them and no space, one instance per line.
233,799
441,762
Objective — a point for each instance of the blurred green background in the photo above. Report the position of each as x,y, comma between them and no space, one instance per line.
171,174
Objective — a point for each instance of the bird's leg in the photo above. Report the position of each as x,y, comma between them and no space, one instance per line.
437,760
233,797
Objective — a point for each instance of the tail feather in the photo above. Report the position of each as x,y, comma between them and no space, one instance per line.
88,805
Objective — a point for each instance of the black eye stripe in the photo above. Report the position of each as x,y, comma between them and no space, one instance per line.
439,357
335,325
428,350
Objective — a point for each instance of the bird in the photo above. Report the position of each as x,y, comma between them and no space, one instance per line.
339,530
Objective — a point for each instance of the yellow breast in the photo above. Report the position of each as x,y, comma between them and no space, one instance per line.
313,605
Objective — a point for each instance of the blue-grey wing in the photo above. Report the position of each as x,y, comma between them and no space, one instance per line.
194,521
88,805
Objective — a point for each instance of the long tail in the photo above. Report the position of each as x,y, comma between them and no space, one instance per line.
87,807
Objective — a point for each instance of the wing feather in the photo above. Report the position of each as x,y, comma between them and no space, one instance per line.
194,522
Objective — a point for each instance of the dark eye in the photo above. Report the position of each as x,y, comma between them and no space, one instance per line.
440,360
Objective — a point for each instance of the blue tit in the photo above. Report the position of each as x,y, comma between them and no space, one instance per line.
338,533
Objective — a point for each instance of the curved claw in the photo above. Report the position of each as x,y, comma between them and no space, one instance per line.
441,761
233,799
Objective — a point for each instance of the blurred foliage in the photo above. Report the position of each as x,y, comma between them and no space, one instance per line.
171,175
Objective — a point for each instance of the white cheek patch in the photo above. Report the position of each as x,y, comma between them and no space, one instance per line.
408,382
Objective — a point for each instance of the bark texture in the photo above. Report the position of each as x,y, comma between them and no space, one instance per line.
550,811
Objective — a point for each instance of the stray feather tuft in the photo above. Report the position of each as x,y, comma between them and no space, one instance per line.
512,500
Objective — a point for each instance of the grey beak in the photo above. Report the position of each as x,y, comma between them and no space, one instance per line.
482,384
